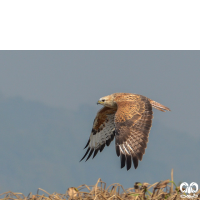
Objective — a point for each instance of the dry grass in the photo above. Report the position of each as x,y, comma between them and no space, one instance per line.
141,191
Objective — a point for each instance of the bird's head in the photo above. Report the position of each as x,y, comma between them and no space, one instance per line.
107,101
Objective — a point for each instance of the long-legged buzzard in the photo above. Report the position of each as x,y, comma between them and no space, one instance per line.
128,118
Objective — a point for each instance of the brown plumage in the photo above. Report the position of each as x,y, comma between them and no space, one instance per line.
128,118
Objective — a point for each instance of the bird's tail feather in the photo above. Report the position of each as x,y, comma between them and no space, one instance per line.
159,106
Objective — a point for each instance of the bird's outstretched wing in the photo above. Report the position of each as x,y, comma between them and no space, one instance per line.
133,121
103,132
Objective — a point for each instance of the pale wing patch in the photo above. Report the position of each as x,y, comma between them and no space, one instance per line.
104,133
101,137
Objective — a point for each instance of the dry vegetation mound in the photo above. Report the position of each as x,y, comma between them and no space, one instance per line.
141,191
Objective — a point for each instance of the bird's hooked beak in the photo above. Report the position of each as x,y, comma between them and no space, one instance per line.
99,102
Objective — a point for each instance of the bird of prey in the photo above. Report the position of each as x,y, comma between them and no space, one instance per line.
128,118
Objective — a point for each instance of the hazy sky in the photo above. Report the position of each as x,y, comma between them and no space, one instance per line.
71,78
48,103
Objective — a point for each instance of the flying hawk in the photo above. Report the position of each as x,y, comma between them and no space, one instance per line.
128,118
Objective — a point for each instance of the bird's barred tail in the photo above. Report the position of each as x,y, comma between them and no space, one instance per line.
159,106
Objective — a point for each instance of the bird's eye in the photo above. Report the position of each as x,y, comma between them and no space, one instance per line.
103,100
